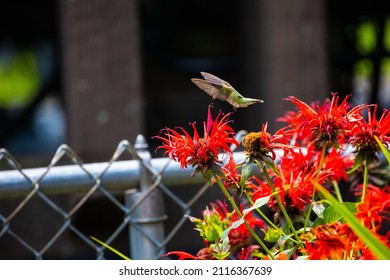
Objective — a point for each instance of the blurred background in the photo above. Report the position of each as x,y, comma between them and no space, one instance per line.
91,73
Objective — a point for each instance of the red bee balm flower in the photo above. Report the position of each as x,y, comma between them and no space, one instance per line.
261,145
327,123
363,135
201,152
375,207
325,242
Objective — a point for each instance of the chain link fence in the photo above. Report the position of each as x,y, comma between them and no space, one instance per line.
139,190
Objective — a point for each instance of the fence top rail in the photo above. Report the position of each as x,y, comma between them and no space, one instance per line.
114,175
117,175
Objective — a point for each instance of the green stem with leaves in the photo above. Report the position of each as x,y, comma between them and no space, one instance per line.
237,210
264,216
322,159
281,206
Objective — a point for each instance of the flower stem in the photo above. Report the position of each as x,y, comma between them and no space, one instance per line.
365,181
323,153
307,218
235,207
281,206
337,190
324,149
264,216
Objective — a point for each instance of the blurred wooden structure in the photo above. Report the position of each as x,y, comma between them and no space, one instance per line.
283,53
101,74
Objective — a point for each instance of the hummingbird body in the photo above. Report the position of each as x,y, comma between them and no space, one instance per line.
222,90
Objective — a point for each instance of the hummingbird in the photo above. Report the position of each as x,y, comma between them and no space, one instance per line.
218,88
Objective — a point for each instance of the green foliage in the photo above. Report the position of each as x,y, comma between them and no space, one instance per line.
19,80
384,150
331,214
374,244
110,248
211,225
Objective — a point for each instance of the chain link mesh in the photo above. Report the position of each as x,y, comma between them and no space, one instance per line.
63,218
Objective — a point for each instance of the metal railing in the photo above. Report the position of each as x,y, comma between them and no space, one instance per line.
143,180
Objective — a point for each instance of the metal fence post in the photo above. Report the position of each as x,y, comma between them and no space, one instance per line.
146,229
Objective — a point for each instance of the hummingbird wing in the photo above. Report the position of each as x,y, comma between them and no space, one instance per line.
215,80
209,88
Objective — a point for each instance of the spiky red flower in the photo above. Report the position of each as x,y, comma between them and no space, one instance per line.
196,151
337,241
182,255
335,165
203,254
298,170
326,123
232,177
363,133
327,242
297,173
261,145
375,207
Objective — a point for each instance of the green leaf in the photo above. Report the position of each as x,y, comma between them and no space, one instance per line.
221,250
234,225
359,160
383,148
303,230
283,239
272,166
331,214
379,249
317,222
272,235
212,232
257,204
245,173
318,208
110,248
